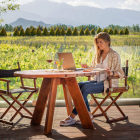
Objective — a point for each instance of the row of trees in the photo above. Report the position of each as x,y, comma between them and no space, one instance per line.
62,32
134,28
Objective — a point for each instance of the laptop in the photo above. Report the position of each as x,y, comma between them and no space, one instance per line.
68,61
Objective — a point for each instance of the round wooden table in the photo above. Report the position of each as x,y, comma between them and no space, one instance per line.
48,91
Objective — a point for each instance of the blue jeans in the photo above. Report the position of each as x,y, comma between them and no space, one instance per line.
89,87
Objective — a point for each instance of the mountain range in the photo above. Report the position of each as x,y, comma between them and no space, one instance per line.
27,23
48,13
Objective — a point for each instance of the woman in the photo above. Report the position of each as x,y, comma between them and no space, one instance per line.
105,58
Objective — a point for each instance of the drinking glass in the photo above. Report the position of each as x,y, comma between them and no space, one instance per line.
49,59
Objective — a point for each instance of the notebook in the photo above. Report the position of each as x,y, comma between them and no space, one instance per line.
68,61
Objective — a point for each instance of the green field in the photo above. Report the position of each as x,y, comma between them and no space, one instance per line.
20,49
117,40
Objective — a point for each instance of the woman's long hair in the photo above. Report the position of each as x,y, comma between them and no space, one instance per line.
105,36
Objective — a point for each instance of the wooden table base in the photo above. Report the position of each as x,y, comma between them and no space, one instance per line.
71,89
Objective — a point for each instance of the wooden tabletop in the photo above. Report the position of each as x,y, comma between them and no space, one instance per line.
49,74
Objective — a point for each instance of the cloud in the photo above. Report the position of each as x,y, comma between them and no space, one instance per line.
78,2
129,4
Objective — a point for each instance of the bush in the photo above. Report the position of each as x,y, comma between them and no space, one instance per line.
110,31
99,30
28,32
81,32
57,32
87,32
126,31
121,32
3,32
75,32
105,30
22,33
45,31
38,31
62,32
115,32
33,31
69,32
92,32
16,32
52,33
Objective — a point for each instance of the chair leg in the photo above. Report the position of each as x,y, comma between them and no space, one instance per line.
6,122
100,108
118,107
114,101
24,108
104,111
10,105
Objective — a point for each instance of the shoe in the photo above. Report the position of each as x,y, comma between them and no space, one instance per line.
71,121
79,122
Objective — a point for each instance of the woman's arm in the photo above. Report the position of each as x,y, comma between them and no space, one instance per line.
84,65
117,69
111,73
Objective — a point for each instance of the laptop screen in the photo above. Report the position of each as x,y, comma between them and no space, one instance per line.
68,60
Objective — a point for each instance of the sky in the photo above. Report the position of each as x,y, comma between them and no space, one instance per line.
121,4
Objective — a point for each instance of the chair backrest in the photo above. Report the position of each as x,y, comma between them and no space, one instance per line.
125,69
9,73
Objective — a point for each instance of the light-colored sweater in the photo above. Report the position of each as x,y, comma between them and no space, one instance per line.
114,64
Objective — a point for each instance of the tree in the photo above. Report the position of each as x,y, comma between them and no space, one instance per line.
28,32
52,33
92,32
38,32
40,27
18,27
90,27
69,32
115,31
45,31
81,32
10,28
7,5
126,31
87,31
31,27
110,31
33,31
121,32
16,32
99,30
62,32
75,32
57,32
58,26
3,32
105,30
22,33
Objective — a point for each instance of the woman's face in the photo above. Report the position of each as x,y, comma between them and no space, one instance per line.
102,45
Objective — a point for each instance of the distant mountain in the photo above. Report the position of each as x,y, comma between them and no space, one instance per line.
27,23
53,13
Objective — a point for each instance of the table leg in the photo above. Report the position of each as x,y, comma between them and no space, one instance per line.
67,96
51,105
41,101
79,102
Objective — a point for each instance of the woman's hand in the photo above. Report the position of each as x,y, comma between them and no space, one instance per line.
83,65
109,72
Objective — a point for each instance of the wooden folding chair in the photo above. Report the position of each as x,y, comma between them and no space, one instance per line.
10,92
111,90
